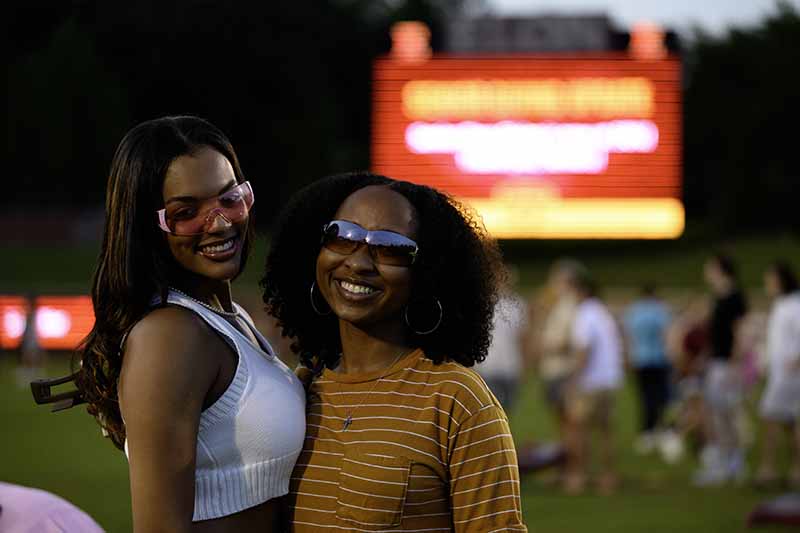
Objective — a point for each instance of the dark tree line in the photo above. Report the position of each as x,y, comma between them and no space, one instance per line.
741,115
289,81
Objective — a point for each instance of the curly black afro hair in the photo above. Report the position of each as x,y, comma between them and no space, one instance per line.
458,263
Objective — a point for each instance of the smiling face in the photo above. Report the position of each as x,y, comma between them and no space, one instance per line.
216,254
359,290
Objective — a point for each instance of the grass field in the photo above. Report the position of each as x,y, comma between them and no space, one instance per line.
67,267
66,454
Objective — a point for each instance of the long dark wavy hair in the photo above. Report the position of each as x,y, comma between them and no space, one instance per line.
135,262
458,263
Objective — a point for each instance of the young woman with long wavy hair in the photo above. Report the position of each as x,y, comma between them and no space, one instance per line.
174,370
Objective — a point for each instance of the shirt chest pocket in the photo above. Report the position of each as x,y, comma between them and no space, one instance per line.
372,489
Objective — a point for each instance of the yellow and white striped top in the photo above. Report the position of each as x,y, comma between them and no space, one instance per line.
429,449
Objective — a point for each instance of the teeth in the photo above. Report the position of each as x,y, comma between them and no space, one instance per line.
216,248
357,289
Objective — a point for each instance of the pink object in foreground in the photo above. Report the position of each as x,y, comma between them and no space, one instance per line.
29,510
783,509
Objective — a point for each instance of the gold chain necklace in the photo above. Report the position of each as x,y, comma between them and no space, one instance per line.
349,418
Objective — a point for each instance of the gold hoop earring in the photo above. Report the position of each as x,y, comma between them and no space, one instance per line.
425,331
314,305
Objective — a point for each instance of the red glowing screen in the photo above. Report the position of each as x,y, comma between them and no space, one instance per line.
542,146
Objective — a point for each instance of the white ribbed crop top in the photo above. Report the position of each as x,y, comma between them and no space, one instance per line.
249,439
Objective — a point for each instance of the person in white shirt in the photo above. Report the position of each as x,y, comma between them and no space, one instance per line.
780,403
593,384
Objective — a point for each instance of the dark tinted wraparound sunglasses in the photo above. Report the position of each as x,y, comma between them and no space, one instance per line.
385,247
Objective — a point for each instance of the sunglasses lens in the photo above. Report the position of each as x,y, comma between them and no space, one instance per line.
337,239
234,205
185,220
392,248
399,255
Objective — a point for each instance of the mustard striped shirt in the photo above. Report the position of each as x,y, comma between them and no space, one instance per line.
429,449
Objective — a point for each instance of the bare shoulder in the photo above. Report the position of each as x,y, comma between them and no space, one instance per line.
172,331
170,347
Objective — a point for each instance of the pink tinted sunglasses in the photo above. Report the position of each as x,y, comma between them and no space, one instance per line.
194,218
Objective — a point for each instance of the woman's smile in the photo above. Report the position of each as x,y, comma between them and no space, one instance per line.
220,249
357,291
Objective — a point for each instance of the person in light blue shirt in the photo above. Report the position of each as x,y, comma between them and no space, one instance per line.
645,323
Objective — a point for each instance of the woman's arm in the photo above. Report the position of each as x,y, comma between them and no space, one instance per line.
168,368
484,475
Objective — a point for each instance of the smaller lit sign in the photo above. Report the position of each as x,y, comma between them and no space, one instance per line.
13,311
61,321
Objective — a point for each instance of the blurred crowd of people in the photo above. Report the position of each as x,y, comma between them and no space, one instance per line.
703,369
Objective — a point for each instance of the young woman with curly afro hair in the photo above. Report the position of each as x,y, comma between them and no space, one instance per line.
387,290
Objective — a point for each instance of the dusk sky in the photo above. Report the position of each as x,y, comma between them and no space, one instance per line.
713,15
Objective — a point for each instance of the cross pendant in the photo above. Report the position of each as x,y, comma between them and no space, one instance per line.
347,422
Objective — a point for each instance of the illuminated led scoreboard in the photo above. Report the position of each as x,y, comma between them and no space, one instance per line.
557,146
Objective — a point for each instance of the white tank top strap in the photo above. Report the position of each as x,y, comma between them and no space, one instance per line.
263,344
214,320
